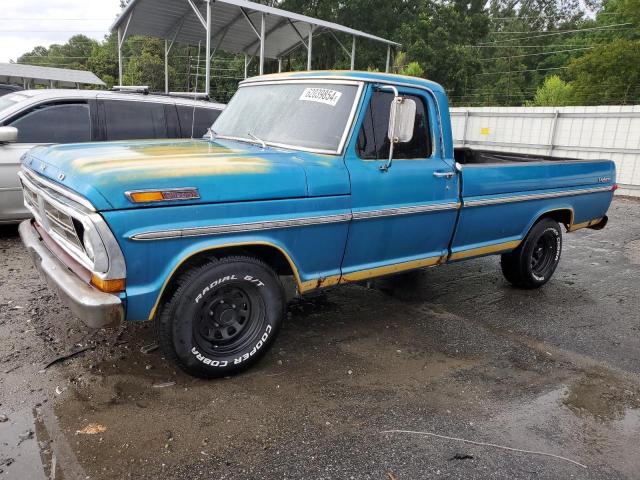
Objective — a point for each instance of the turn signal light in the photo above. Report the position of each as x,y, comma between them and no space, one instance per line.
108,286
144,197
150,196
615,187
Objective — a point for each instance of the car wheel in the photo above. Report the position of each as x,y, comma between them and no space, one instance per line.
223,317
534,262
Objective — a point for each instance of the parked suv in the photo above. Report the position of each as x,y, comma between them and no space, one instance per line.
7,89
37,117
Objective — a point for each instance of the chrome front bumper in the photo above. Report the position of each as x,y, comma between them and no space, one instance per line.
95,308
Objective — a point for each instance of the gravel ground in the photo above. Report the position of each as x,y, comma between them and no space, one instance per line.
453,351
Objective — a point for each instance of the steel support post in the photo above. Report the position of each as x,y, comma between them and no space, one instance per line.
166,66
353,54
263,29
388,68
310,48
119,56
207,74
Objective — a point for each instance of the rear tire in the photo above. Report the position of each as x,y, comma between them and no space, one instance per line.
222,318
534,262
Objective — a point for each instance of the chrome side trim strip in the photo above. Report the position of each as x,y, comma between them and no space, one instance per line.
393,212
536,196
291,223
242,227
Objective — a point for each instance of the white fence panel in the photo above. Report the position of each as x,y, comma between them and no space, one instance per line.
611,132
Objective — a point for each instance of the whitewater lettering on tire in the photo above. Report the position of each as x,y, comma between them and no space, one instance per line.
237,361
253,280
215,284
255,349
208,361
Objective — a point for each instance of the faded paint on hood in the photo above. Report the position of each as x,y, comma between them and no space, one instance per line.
222,171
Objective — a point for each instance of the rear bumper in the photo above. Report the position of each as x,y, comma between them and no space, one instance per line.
95,308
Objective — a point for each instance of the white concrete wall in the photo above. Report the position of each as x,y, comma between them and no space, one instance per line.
611,132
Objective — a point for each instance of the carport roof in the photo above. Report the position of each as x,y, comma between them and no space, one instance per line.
14,72
235,25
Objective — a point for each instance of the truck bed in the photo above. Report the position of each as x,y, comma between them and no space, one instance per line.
470,156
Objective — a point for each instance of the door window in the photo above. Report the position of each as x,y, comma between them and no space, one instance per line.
63,123
373,140
134,120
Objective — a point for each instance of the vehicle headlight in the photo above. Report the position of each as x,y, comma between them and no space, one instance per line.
88,246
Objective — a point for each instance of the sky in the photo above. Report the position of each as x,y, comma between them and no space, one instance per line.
25,24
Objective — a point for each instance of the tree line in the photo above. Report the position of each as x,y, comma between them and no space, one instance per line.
484,52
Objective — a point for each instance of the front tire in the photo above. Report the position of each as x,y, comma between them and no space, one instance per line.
534,262
222,318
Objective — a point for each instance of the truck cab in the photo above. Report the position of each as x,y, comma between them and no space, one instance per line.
327,178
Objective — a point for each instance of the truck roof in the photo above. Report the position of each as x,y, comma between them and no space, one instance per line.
352,75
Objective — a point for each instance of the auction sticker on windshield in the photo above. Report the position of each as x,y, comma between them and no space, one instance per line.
321,95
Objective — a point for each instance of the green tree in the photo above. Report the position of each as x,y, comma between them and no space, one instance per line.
608,74
146,65
555,92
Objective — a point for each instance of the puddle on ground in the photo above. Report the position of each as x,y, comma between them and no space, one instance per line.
602,396
22,449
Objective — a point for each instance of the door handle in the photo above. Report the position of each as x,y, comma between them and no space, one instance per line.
447,175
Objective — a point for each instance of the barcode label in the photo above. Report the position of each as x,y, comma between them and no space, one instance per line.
321,95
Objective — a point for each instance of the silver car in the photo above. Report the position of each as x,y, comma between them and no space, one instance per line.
40,117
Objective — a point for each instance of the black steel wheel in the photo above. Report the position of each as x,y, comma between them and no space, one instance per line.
223,317
534,262
227,320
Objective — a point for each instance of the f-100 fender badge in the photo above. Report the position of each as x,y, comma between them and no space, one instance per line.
604,179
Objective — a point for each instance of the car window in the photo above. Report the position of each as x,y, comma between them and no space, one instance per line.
63,123
373,140
134,120
201,118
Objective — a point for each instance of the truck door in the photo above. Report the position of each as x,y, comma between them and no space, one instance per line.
403,218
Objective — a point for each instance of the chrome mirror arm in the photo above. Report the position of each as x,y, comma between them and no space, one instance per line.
392,120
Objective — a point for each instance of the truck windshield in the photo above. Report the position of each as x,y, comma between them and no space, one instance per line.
306,116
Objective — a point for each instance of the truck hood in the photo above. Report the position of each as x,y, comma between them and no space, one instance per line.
222,171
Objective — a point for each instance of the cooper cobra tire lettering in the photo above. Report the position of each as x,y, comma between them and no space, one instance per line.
208,361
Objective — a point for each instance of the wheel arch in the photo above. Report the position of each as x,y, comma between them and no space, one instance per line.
273,255
563,215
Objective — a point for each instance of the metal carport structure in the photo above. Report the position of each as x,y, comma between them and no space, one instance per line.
233,26
29,75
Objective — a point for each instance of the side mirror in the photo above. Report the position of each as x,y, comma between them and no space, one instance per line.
8,135
402,122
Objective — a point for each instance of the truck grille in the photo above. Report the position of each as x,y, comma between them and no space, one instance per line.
60,225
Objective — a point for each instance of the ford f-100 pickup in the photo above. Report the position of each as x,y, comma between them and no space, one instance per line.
325,177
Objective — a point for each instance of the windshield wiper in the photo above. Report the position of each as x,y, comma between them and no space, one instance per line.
261,142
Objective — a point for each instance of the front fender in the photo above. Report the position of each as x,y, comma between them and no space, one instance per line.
313,251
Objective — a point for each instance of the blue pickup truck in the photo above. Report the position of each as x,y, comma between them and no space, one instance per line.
327,178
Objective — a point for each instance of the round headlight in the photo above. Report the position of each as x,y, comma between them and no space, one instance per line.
88,248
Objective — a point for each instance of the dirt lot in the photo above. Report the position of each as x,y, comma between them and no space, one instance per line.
453,351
